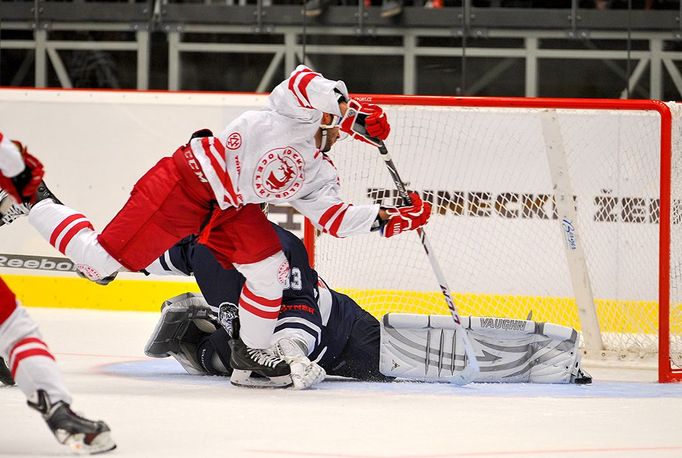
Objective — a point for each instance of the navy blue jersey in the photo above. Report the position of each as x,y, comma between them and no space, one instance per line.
307,303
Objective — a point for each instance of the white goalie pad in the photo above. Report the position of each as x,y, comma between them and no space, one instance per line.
427,347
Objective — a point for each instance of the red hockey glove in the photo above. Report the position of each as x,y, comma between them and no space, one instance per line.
23,186
408,217
377,122
366,122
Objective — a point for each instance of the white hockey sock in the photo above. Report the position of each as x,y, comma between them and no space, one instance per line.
261,299
32,364
73,235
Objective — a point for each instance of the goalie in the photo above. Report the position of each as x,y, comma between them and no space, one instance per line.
333,332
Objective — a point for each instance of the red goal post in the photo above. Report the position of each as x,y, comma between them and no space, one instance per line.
502,173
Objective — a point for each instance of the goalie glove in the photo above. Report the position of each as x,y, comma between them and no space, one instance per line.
366,122
406,218
22,187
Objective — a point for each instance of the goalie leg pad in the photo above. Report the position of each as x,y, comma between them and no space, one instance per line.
427,347
185,321
411,348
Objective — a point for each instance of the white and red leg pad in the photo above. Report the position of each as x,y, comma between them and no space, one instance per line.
73,235
32,364
430,347
261,299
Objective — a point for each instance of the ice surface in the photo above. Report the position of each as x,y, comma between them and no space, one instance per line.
155,409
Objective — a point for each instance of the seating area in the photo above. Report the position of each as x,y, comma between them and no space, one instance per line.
551,48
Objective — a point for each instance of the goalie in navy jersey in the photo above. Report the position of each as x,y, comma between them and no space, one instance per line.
330,327
332,330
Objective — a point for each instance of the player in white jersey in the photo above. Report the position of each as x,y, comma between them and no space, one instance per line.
211,187
30,363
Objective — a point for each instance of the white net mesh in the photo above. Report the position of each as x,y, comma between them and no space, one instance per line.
495,228
676,240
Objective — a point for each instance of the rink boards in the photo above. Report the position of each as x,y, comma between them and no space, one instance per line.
147,295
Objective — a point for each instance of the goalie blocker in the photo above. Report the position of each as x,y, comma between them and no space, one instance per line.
421,347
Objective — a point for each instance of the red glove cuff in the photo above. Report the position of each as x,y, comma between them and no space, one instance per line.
407,218
23,186
365,122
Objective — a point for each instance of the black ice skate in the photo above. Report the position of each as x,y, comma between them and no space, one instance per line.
257,368
5,374
83,436
10,210
102,281
43,193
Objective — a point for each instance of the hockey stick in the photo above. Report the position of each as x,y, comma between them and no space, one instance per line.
471,367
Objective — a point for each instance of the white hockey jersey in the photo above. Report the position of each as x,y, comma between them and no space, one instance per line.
270,156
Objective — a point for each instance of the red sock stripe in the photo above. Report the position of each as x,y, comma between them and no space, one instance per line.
27,354
60,227
72,233
25,341
258,312
246,292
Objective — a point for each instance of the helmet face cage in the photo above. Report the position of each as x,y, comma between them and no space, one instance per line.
324,141
335,122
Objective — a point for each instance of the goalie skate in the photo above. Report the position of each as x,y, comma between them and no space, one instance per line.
83,436
257,368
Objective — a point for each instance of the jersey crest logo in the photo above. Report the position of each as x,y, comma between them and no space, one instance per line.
234,141
283,273
279,173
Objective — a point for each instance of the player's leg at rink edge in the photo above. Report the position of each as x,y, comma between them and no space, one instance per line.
259,306
32,366
73,235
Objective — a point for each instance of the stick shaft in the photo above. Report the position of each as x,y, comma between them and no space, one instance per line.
471,367
440,277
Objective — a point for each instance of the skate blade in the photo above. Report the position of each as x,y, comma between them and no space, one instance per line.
101,444
243,378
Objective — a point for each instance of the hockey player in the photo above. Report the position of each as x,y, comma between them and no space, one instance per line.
339,335
329,327
273,155
29,361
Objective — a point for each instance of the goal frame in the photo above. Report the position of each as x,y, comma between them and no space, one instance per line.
666,373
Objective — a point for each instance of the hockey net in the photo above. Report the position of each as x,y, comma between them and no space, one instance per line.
552,206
